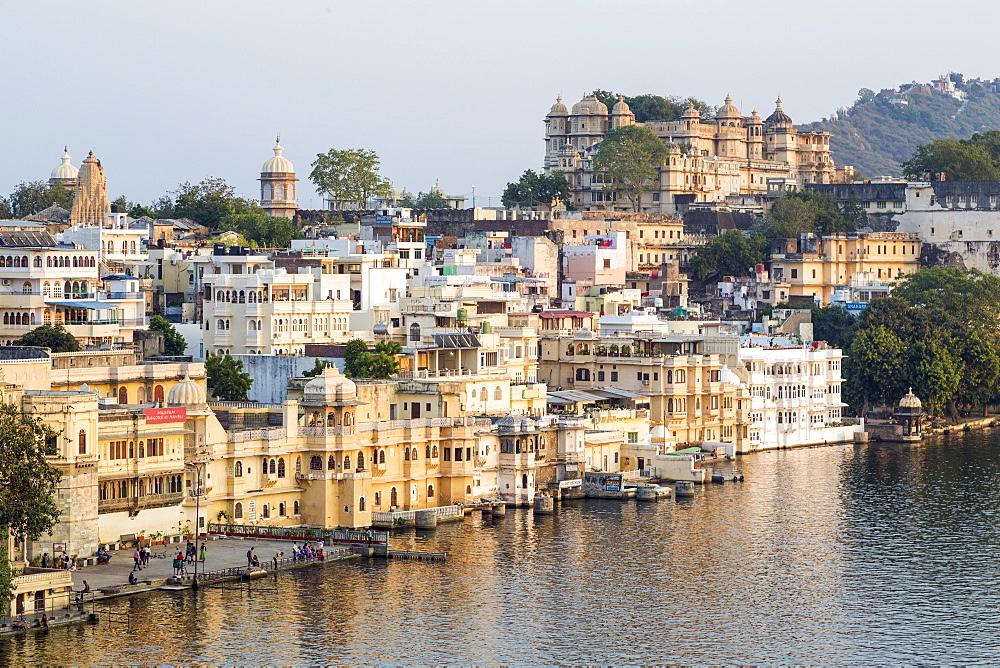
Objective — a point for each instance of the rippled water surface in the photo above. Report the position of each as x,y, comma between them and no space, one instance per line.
847,554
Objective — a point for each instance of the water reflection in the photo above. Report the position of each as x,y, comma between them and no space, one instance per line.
852,554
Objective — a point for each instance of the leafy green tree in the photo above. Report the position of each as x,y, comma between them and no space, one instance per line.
262,231
209,202
729,254
226,378
173,341
865,95
316,370
383,362
27,486
50,336
629,159
533,190
349,175
804,211
936,371
31,197
875,367
980,356
834,325
959,159
431,200
649,107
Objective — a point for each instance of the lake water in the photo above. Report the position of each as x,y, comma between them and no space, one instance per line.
845,554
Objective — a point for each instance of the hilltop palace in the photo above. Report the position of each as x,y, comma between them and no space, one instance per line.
731,158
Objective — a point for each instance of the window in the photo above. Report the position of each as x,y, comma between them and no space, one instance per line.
614,376
315,463
82,441
281,509
361,503
238,470
266,512
633,437
430,491
795,273
415,332
295,507
238,511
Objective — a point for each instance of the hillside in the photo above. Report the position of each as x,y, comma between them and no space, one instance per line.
881,130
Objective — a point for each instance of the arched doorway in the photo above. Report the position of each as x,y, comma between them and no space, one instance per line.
393,498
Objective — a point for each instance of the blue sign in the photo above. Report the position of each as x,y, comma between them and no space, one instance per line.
856,306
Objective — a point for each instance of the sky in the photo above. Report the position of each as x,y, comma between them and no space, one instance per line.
442,90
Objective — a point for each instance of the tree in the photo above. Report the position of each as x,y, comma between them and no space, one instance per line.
533,190
27,485
834,325
361,363
959,159
34,196
406,199
173,342
875,367
349,175
208,202
865,95
729,254
649,107
262,231
226,378
431,200
316,370
629,159
936,371
807,212
50,336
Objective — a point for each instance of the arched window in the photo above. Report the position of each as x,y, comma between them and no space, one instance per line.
281,509
82,442
435,452
315,463
158,393
331,463
141,395
361,461
483,395
498,394
122,395
414,455
273,467
468,490
393,497
415,332
381,456
238,469
347,462
406,454
281,467
361,503
295,507
430,491
266,512
524,481
26,288
298,465
427,452
378,498
238,511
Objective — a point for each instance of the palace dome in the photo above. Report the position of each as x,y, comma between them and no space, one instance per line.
278,164
558,108
728,110
65,170
691,112
659,433
590,105
186,393
621,107
331,385
726,375
779,117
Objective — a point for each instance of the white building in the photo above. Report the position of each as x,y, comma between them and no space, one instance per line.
795,395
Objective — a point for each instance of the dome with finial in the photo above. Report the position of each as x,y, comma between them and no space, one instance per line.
779,117
755,118
437,189
728,110
910,400
558,109
590,105
621,107
277,164
64,170
186,393
727,375
328,387
691,111
659,434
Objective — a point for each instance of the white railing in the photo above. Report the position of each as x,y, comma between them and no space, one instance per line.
328,431
388,516
256,435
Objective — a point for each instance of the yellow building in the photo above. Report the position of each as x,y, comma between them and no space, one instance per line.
859,266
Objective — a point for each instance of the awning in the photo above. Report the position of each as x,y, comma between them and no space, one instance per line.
82,303
616,393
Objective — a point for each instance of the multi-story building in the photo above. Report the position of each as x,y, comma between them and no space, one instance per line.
795,396
815,267
730,155
46,283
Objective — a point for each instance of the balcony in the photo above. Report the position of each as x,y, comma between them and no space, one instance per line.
139,503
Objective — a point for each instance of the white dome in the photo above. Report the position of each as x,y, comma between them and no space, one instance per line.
186,393
590,105
621,107
558,109
659,433
279,164
331,385
65,170
910,400
726,375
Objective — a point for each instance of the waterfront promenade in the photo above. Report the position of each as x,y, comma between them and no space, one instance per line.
226,553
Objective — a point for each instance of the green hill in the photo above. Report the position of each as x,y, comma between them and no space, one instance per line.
881,130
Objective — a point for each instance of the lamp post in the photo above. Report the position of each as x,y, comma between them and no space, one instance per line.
198,465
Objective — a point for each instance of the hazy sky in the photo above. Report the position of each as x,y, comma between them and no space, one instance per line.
172,91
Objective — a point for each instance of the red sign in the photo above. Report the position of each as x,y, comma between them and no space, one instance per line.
173,414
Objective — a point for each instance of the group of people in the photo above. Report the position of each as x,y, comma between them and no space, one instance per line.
141,557
307,551
61,562
188,556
